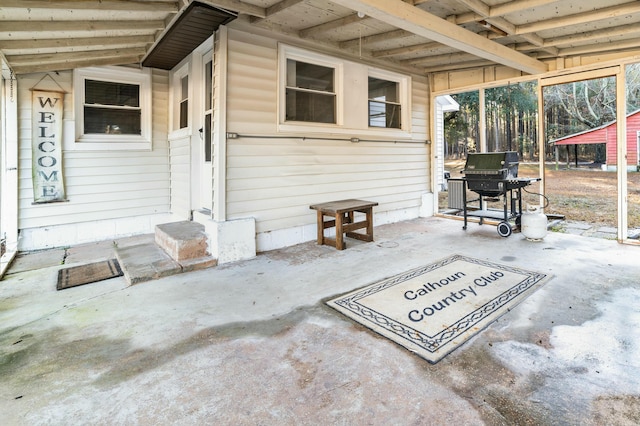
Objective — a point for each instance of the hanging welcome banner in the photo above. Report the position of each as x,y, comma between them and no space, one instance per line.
48,182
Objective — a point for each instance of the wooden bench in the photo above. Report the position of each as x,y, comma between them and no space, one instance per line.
342,214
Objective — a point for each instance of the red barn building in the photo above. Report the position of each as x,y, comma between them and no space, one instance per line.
607,134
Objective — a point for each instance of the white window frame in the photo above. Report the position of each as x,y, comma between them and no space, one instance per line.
404,88
289,52
112,142
184,69
357,124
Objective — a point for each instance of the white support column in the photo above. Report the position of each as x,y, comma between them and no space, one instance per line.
8,163
621,137
220,134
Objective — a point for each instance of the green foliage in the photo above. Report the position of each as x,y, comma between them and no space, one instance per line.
512,115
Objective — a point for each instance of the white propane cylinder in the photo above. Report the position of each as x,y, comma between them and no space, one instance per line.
533,224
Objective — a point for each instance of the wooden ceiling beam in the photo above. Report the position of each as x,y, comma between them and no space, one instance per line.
448,59
73,43
406,49
57,26
432,27
81,63
375,38
580,18
494,18
599,48
516,6
459,66
49,58
238,6
120,5
632,29
276,8
331,25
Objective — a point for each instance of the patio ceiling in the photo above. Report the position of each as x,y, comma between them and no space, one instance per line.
419,35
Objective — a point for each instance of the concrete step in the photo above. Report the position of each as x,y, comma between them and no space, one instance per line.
182,240
147,261
176,247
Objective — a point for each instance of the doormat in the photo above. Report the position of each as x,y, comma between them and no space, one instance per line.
90,273
433,309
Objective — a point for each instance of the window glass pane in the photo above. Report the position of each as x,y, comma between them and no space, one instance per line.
309,76
111,93
207,137
208,86
384,115
185,88
111,121
311,107
184,114
384,108
383,90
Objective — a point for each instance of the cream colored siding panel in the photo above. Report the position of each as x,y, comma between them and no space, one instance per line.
274,178
286,172
99,185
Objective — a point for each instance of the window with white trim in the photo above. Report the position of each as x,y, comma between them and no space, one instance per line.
323,94
385,109
310,92
112,108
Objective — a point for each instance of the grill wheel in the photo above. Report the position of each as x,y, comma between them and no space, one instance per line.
504,229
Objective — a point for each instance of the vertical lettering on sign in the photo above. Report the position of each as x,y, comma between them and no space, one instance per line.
46,146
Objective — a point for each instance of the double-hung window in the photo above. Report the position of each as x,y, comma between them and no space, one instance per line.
310,92
385,109
112,108
323,94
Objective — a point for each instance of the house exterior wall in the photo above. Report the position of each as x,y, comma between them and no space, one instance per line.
109,193
274,176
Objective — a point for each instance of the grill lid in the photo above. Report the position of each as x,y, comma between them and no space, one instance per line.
500,165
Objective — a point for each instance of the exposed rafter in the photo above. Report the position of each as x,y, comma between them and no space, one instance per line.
238,6
580,18
415,35
419,22
331,25
134,6
276,8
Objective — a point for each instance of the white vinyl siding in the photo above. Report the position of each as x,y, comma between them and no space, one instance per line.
100,185
180,153
275,180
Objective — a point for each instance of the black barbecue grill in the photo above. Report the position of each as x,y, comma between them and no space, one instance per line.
494,175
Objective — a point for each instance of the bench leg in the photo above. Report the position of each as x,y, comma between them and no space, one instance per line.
369,219
340,245
320,228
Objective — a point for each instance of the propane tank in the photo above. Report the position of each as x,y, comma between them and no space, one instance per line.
534,224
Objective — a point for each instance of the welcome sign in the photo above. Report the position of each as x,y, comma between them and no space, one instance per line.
433,309
48,182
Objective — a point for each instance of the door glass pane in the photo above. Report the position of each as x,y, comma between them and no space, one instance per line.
633,150
208,80
458,128
184,102
512,125
580,133
207,138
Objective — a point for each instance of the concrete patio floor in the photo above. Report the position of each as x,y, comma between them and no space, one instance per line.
252,342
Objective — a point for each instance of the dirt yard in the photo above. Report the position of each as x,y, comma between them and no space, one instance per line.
583,194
